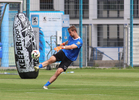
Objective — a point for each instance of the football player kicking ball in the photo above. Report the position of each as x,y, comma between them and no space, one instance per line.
68,53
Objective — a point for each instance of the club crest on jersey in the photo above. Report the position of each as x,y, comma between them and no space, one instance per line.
78,43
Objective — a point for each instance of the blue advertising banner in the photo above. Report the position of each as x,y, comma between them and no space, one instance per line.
65,34
65,21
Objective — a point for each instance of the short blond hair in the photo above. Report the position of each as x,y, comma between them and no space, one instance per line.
72,28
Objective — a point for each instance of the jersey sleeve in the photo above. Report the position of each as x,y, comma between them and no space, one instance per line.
79,43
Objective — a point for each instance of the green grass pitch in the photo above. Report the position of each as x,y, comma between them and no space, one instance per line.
83,84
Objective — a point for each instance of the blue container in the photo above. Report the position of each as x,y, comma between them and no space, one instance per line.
0,50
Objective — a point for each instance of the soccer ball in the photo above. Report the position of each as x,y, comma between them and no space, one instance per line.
35,54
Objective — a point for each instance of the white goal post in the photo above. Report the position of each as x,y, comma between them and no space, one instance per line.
14,1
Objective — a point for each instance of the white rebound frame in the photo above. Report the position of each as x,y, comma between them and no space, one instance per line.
14,1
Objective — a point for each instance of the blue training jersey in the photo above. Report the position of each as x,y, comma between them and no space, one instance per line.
73,54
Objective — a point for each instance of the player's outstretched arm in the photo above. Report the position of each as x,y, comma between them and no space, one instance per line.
64,43
58,48
73,46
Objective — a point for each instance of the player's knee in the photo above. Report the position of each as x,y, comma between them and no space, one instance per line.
59,71
52,59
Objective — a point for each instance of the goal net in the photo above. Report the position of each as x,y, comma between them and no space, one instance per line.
8,9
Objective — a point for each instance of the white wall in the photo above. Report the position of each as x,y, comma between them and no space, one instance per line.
126,9
94,35
111,53
34,5
92,9
58,5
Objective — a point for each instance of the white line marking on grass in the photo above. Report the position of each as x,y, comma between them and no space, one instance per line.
68,89
41,92
24,89
99,94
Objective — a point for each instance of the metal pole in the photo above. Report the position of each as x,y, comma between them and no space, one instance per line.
86,46
131,33
28,9
80,31
21,6
125,46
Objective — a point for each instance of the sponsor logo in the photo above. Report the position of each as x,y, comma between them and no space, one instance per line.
65,67
34,20
19,48
44,19
78,43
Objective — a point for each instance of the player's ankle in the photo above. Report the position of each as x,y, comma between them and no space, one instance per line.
40,66
47,84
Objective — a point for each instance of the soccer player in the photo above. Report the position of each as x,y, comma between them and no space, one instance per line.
67,52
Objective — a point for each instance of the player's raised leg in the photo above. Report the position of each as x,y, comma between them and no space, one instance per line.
47,62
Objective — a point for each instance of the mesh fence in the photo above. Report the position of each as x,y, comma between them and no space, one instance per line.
103,29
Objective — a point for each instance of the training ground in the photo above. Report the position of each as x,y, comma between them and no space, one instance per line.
74,84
